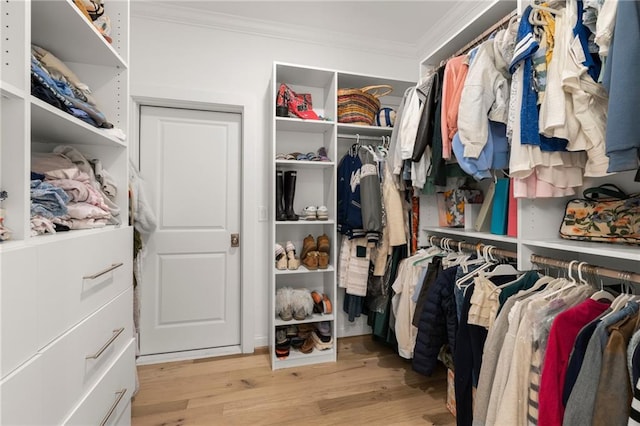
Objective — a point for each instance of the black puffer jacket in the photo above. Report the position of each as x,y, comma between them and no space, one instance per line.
438,322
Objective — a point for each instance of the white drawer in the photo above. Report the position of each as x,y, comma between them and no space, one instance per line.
21,395
70,283
18,339
75,362
108,401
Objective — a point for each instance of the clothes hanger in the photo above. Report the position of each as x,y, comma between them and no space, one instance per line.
572,281
601,295
502,268
485,266
431,252
536,6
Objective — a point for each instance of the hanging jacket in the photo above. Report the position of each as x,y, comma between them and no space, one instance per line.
424,135
438,323
349,214
486,91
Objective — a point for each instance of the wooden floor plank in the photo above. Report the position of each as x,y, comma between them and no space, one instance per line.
369,384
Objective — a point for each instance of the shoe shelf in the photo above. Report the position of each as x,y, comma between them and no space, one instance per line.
304,163
315,181
290,124
298,359
279,322
303,270
306,222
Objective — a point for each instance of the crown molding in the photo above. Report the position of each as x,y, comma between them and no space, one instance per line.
163,11
441,33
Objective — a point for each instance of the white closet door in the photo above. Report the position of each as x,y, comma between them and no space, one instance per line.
190,292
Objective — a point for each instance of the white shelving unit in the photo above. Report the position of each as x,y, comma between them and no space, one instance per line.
538,219
67,352
315,186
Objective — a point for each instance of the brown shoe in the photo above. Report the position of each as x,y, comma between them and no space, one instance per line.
311,260
323,260
323,243
308,345
308,244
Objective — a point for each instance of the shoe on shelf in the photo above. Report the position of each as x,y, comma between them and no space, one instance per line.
323,244
322,213
308,244
283,303
322,154
323,260
327,304
311,260
317,302
319,342
281,257
301,303
308,345
309,213
292,261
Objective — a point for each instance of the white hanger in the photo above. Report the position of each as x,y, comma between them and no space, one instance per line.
502,268
572,281
535,6
488,263
600,295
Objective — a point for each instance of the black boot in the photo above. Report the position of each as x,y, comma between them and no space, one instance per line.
280,214
289,194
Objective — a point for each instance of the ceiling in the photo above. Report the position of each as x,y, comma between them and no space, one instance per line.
399,27
398,21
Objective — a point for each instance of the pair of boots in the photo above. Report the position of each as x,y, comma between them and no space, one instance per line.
285,193
315,253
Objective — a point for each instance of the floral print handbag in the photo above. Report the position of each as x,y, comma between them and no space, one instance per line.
605,214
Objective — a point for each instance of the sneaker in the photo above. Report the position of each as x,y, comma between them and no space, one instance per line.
322,213
309,213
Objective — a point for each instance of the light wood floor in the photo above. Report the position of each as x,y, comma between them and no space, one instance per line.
368,385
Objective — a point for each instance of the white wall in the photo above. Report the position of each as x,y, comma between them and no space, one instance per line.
201,58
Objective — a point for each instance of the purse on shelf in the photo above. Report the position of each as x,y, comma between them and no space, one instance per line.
455,201
605,214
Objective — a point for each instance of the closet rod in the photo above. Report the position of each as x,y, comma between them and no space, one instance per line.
485,34
593,269
462,245
362,137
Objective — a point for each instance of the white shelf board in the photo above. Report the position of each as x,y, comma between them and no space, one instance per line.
66,235
618,251
60,27
305,163
493,12
298,359
49,124
357,81
9,91
306,222
290,124
485,236
313,318
303,270
304,76
357,129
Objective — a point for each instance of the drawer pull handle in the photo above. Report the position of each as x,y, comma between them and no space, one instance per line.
99,274
104,347
120,394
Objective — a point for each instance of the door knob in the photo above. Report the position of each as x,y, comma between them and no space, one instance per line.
235,240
